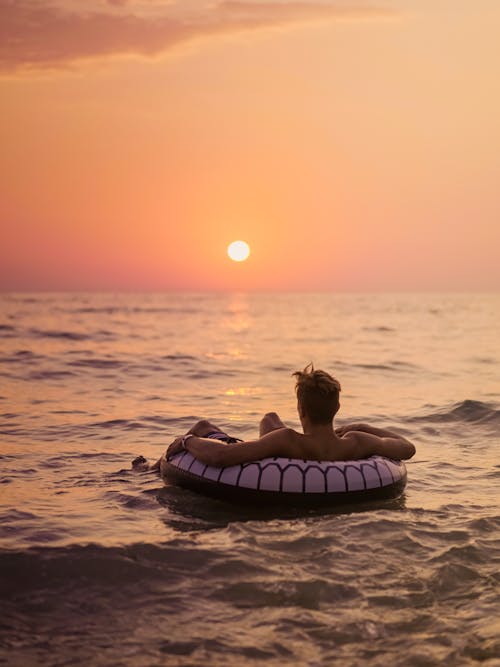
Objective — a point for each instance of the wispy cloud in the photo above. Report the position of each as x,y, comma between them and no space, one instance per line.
36,34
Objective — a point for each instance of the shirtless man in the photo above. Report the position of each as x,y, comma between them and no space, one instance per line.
317,404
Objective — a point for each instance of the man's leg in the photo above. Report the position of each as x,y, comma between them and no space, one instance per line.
270,422
203,428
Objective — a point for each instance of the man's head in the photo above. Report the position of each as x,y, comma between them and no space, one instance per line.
317,395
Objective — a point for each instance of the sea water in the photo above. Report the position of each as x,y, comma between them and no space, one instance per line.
103,566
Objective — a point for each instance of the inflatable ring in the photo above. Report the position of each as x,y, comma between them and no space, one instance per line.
279,481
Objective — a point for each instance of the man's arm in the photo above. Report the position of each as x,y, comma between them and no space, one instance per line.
219,454
371,440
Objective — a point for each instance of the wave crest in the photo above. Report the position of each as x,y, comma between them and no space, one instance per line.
470,411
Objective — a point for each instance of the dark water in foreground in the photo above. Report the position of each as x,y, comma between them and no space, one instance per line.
101,566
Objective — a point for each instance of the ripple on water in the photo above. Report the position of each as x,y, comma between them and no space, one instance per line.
98,560
308,594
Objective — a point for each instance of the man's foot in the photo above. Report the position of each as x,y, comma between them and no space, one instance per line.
140,464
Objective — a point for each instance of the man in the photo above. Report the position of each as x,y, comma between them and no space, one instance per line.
317,404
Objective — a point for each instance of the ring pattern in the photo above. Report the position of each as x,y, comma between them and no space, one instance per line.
283,475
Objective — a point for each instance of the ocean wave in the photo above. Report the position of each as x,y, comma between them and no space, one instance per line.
21,357
245,560
7,331
165,309
106,310
376,329
391,366
50,375
488,361
167,421
71,458
19,298
394,366
127,310
65,335
125,424
55,567
307,594
97,363
469,411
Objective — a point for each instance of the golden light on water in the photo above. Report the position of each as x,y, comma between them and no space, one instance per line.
238,251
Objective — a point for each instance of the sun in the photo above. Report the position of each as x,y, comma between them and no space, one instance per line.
238,251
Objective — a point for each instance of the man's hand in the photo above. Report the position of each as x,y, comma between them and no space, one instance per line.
175,447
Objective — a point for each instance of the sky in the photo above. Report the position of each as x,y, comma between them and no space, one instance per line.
354,145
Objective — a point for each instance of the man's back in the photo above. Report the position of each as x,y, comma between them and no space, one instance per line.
345,444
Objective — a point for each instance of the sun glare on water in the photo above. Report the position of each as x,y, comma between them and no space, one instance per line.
238,251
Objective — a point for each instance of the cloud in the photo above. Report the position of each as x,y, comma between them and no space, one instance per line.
36,34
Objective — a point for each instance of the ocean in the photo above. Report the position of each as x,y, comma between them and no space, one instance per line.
100,565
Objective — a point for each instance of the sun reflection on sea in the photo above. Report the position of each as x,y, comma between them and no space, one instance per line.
231,353
238,317
241,391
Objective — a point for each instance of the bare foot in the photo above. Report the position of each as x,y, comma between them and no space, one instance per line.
140,464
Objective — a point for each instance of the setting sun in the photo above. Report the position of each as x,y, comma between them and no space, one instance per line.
238,251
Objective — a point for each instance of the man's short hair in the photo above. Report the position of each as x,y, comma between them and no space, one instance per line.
318,394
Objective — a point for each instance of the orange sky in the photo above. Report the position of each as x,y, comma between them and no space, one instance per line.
353,145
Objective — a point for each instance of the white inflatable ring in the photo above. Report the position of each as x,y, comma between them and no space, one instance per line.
288,481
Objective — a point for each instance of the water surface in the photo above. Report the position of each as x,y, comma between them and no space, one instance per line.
101,566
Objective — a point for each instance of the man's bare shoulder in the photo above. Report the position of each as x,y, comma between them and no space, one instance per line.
355,445
285,434
361,445
288,441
